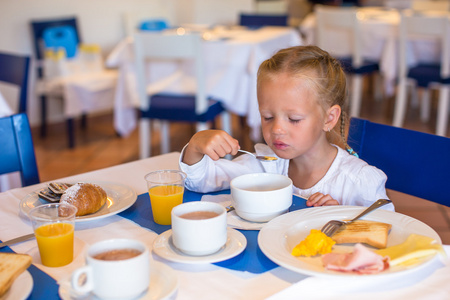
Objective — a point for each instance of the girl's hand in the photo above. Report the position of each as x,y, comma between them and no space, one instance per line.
319,199
214,143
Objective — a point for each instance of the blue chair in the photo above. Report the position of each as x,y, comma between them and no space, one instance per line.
58,33
415,163
260,20
50,28
17,150
14,70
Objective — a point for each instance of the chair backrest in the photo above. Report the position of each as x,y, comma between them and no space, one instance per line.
40,27
437,5
259,20
14,70
415,163
415,26
334,21
157,46
17,149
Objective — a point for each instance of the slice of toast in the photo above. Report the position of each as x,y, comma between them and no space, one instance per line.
11,266
362,231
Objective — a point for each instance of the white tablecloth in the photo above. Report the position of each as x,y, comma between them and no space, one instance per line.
379,31
5,110
204,281
83,90
232,60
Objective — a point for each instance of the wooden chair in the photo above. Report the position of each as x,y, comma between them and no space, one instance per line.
415,163
14,70
415,26
17,149
194,107
344,19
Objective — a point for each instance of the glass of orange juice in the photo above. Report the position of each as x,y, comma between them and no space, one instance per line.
166,189
54,226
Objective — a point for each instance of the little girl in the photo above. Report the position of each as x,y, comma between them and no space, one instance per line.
301,96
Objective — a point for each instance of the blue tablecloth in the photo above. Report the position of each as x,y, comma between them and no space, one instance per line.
250,260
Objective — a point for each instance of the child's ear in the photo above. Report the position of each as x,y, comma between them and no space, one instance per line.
332,117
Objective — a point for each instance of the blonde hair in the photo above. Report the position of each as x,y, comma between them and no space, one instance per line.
323,72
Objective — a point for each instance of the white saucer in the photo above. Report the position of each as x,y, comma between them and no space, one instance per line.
164,247
21,288
163,284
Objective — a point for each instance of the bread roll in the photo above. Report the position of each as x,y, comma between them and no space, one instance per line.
11,266
87,197
361,231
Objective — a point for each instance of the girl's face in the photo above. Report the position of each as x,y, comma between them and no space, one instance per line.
293,122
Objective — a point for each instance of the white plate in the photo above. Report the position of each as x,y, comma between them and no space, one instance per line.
164,247
21,288
282,234
120,197
163,284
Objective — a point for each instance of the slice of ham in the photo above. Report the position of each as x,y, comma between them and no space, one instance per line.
361,260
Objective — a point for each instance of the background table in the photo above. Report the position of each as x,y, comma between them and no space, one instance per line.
379,31
232,57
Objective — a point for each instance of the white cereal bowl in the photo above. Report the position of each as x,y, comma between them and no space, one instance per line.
260,197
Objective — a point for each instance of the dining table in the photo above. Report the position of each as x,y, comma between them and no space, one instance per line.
232,56
379,28
244,272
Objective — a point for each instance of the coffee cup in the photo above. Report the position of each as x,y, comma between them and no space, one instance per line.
115,269
199,228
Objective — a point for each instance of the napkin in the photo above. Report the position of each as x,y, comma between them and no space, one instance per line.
429,281
233,220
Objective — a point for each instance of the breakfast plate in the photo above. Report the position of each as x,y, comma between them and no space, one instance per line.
21,288
163,246
120,197
282,234
163,284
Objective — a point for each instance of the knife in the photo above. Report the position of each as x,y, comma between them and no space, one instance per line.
17,240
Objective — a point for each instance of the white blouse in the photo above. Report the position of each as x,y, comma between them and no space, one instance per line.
349,180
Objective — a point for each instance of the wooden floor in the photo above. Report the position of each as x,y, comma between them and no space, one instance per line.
98,147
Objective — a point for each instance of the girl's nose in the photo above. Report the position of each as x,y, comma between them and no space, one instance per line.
277,127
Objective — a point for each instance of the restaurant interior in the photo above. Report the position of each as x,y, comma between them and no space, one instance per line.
88,110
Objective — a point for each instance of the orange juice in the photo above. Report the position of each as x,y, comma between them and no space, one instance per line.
55,242
163,198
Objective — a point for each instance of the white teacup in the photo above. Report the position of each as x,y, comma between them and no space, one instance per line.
199,228
115,269
260,197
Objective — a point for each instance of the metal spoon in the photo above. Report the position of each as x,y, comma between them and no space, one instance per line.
260,157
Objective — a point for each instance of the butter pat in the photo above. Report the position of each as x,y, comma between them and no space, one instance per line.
415,249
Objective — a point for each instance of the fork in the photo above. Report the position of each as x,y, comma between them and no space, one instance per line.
332,226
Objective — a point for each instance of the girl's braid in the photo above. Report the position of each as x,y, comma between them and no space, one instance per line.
344,139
